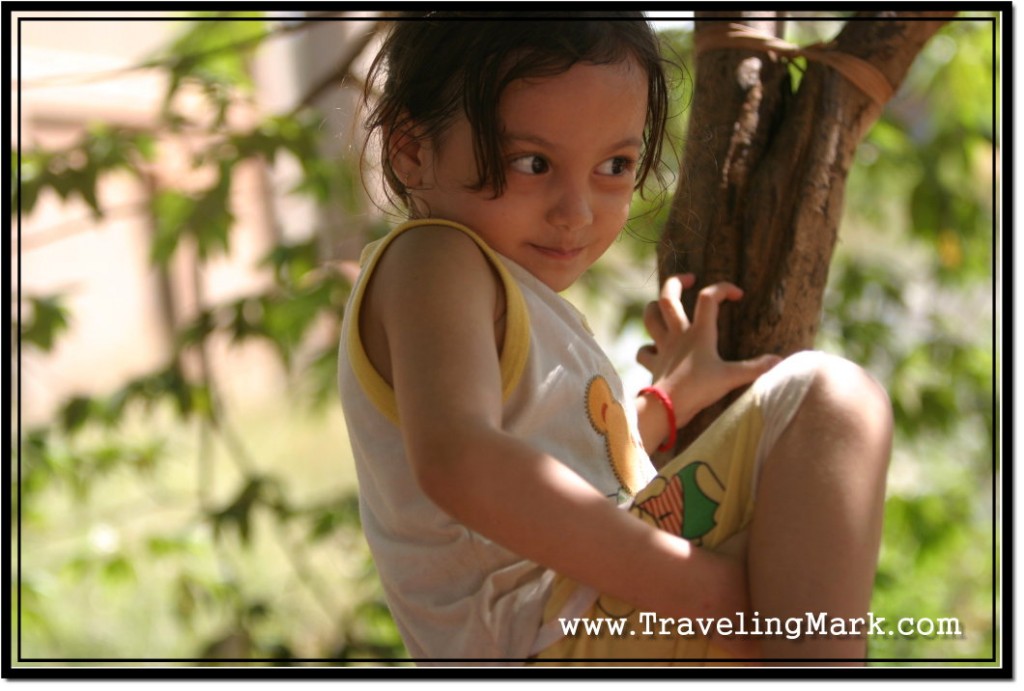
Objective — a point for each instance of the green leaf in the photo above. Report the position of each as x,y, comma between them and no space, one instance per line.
342,514
118,571
214,54
292,261
30,181
196,332
170,545
211,220
49,319
145,145
246,319
373,632
237,515
75,413
796,67
172,210
207,218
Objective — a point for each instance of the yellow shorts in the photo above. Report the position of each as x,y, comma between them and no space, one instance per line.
706,495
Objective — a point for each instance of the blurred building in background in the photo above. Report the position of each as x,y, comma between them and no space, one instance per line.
75,69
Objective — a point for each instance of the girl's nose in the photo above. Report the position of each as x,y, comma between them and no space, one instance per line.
571,207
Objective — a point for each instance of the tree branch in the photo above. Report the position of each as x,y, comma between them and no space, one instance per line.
763,177
353,50
890,42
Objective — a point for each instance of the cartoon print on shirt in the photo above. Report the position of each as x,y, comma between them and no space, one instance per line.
608,419
686,503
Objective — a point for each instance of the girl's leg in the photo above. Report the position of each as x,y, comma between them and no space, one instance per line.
814,539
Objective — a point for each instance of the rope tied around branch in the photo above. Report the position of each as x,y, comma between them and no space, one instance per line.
858,72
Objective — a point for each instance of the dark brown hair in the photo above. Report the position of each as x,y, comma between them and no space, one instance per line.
435,66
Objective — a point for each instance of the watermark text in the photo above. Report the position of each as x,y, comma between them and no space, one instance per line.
743,624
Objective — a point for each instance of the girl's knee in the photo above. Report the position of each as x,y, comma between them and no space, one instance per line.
851,390
824,404
834,395
841,430
847,400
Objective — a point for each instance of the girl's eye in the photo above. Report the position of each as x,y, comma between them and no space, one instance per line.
530,165
617,166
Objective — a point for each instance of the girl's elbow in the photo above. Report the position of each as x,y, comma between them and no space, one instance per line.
430,478
457,471
439,477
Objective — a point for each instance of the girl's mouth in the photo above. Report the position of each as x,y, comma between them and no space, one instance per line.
558,252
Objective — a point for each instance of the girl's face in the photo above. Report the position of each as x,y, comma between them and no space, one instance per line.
572,143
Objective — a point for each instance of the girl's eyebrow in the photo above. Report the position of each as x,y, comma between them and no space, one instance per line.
635,142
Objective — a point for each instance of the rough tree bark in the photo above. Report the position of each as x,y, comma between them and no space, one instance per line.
761,190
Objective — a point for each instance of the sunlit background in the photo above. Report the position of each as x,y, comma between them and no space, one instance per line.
190,212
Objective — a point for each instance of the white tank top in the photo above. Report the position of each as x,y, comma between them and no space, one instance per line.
453,593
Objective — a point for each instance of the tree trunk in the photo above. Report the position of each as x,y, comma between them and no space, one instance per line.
761,187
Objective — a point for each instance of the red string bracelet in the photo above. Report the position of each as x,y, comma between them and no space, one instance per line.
670,410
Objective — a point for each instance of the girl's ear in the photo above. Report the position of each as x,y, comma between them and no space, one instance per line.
409,154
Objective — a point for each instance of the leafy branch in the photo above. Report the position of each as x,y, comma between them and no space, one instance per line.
82,448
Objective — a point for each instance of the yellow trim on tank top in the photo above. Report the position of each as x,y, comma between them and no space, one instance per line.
514,350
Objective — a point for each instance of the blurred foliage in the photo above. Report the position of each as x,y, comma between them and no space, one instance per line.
45,321
85,455
913,299
75,171
910,297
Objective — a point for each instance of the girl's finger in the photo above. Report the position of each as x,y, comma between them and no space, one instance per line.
705,314
645,356
670,300
745,371
654,322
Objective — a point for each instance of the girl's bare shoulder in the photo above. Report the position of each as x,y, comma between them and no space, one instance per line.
433,258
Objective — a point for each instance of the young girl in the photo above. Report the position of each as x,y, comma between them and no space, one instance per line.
496,450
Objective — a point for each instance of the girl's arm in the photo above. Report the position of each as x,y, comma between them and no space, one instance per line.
684,360
435,296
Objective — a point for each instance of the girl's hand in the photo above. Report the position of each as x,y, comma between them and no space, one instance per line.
684,360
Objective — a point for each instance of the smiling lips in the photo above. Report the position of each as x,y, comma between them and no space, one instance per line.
558,253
